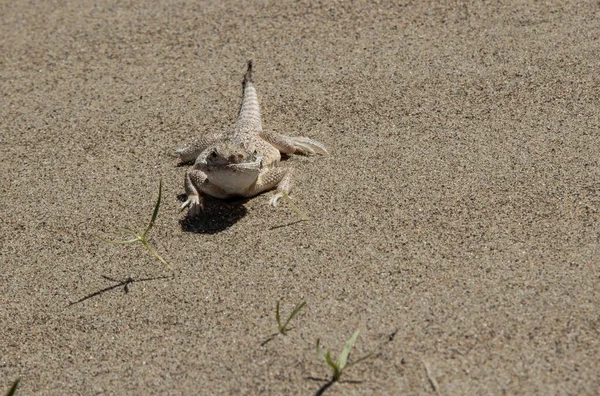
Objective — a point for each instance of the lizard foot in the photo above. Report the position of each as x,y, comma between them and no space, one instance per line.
275,198
306,146
194,204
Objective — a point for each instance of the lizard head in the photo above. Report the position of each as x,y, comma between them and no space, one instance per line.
233,167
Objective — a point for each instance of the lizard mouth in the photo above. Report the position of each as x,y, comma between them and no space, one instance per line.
252,163
244,167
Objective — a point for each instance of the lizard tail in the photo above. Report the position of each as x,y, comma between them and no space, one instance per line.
248,76
249,115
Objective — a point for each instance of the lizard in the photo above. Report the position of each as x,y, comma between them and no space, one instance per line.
244,160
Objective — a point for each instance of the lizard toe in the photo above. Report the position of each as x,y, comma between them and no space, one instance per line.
274,201
193,202
309,146
184,205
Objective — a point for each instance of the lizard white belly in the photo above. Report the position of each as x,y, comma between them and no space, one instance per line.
234,183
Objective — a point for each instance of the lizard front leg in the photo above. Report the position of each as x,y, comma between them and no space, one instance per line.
293,145
194,180
196,184
279,177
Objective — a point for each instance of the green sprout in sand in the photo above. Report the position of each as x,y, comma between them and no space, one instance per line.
282,327
143,237
342,362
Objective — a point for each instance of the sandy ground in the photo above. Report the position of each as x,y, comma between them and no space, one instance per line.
455,223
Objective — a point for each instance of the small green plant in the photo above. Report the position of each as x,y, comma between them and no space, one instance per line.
13,388
301,214
282,327
342,362
143,237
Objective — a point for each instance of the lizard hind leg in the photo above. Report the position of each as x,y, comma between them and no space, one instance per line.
294,145
279,178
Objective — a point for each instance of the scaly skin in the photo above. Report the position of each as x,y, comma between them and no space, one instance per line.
243,161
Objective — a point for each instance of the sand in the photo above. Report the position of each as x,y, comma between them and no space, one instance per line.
455,223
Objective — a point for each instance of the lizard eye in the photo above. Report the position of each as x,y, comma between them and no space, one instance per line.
240,156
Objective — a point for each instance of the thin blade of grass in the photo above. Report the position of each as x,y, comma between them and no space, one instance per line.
319,352
116,242
156,207
360,360
295,312
337,370
155,254
131,232
330,361
343,359
301,214
278,318
13,388
431,378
